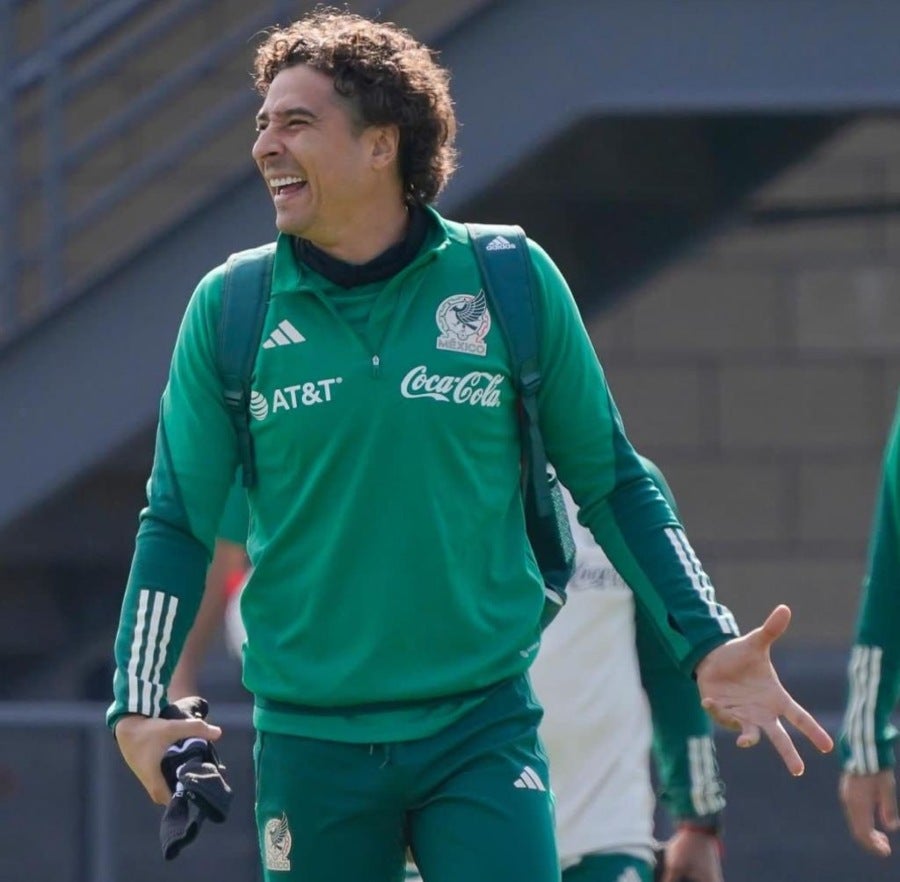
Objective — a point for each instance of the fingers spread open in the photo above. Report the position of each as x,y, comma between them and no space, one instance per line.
783,744
806,723
749,736
775,625
718,712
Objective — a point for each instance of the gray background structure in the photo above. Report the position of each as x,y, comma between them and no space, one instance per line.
762,370
720,182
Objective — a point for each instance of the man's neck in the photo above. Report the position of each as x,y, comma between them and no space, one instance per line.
370,233
386,264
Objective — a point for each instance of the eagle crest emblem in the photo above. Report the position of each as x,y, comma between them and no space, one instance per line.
464,322
277,836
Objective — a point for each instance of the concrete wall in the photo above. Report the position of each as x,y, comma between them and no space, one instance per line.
761,372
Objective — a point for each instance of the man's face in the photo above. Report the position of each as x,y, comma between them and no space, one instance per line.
318,165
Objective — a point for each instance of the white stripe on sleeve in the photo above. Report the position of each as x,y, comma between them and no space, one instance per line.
693,569
859,723
135,653
705,796
152,635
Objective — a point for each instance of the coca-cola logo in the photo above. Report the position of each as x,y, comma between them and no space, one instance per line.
477,388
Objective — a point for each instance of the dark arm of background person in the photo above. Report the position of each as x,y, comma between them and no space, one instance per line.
690,787
228,557
683,750
682,731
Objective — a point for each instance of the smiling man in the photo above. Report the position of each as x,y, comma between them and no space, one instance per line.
335,179
395,603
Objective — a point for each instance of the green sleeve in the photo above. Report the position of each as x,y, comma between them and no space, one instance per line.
236,517
618,501
683,746
194,464
867,735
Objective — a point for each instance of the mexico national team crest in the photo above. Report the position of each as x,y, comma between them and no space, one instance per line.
464,322
277,839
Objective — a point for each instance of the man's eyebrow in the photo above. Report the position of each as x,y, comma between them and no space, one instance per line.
264,116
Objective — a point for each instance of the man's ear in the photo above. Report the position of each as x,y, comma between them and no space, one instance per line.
385,145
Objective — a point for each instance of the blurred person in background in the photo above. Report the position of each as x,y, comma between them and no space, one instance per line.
867,786
598,665
226,572
394,607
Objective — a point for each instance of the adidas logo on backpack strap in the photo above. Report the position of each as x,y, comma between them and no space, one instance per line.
500,243
284,335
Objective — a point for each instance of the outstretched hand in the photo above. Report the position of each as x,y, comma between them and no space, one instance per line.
741,690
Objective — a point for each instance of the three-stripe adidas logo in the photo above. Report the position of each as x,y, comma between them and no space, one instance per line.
700,582
284,335
528,780
500,243
630,874
865,676
152,634
706,796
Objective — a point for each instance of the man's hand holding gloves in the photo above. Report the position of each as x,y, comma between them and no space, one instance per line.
193,772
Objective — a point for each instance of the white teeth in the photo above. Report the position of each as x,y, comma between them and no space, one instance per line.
275,183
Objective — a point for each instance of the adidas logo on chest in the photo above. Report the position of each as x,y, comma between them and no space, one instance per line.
285,334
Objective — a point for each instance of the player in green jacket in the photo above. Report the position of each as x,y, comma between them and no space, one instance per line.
867,787
395,603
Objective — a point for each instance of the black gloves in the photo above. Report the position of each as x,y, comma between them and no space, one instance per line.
193,772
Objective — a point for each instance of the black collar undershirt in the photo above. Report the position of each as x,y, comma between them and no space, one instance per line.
387,264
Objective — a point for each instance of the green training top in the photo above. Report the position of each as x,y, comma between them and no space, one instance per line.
867,735
393,581
235,517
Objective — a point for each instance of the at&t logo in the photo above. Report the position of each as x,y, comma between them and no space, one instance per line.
292,397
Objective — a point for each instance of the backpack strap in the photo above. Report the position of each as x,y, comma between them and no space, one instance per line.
245,299
505,265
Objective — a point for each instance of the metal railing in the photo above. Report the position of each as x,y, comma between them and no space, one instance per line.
98,801
80,51
99,758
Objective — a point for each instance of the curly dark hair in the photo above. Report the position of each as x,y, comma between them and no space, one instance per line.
386,76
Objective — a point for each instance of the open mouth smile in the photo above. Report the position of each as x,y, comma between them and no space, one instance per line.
284,186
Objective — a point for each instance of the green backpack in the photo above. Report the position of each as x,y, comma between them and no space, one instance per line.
503,259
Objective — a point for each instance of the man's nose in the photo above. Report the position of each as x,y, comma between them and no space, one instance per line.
266,144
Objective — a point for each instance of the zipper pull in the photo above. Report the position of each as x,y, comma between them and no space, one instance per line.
376,366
